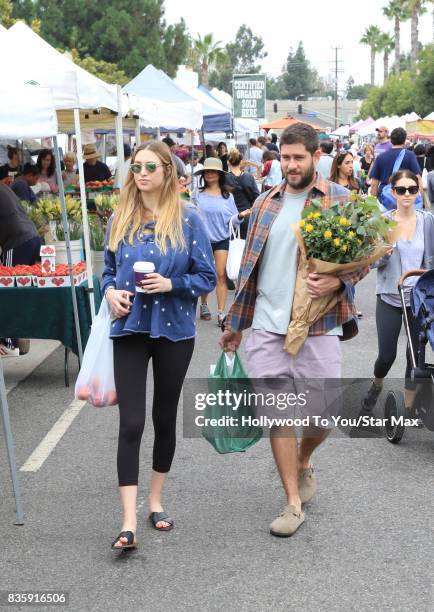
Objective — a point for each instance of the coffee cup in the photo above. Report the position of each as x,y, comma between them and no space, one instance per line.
141,269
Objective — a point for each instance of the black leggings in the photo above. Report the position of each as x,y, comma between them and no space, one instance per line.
389,321
170,361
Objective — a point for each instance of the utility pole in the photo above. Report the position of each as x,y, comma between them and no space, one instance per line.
337,71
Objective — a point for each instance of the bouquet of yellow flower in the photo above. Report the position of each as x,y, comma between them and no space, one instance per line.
337,240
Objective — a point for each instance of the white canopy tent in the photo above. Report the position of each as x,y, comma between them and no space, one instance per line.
390,122
27,111
343,130
162,103
32,59
430,117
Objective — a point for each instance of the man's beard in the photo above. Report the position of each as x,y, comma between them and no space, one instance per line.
303,179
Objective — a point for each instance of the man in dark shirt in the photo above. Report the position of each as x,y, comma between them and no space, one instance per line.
22,185
94,170
382,169
20,244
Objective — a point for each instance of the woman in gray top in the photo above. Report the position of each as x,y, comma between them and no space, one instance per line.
414,249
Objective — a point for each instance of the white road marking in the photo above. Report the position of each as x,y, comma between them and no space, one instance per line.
48,444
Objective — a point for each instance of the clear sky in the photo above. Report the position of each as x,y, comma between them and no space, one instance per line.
320,24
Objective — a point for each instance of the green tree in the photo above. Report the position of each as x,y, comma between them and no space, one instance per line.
424,85
386,44
246,51
106,71
6,9
242,57
398,95
371,107
398,11
128,33
209,52
371,37
357,92
276,88
416,8
299,78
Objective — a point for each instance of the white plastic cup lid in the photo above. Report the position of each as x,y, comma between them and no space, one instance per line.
144,266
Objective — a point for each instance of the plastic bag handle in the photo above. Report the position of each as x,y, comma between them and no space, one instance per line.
233,233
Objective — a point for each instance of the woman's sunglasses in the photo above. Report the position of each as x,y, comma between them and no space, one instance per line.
149,166
412,190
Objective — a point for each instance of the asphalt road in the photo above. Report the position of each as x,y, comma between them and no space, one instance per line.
366,545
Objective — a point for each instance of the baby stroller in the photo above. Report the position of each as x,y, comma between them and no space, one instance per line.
422,373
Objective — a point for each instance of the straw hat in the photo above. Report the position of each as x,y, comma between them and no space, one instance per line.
211,163
90,152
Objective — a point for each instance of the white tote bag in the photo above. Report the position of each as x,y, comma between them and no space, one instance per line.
96,381
236,248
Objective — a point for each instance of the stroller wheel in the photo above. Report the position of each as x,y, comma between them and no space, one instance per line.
394,414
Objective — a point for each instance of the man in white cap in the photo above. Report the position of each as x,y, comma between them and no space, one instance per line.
94,170
383,141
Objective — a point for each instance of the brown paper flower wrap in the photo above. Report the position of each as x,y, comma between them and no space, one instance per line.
364,222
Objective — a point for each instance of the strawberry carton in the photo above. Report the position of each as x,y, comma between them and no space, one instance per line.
48,258
23,275
7,278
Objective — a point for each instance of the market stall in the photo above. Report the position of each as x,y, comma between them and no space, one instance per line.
27,112
74,89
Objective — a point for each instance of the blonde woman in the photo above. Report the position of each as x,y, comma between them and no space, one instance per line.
69,175
151,224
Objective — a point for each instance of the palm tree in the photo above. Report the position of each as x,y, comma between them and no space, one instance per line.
371,37
208,52
386,44
416,8
398,11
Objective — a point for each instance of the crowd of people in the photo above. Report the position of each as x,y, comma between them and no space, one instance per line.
189,244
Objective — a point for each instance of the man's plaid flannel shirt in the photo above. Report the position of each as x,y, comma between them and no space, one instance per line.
265,210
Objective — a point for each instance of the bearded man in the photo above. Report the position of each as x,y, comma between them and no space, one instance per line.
263,302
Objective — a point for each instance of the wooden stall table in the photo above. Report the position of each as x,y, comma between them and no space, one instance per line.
47,313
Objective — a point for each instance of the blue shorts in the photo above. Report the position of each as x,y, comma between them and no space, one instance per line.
222,245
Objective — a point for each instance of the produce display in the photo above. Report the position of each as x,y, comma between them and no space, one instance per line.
92,186
36,276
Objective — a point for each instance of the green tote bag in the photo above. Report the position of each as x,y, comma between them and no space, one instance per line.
230,437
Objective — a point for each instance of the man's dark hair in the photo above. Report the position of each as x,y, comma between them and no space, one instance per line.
326,146
170,143
274,138
398,136
300,133
419,149
253,142
31,169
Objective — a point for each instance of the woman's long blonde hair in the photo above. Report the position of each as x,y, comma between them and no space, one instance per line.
128,218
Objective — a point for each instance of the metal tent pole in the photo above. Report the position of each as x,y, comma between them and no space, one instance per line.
10,448
137,132
84,212
120,141
68,247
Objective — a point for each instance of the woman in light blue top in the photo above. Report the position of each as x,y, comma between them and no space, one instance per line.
152,225
218,210
413,250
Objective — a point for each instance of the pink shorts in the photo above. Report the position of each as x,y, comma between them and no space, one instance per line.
316,369
319,357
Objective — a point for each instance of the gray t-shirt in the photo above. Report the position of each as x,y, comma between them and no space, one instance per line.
411,254
15,226
278,269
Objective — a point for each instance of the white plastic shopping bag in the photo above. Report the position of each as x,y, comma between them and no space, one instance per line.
96,381
236,248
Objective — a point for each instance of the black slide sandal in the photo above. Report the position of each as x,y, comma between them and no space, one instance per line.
129,535
156,517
